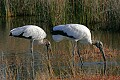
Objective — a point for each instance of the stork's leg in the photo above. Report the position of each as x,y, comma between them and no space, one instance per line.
31,50
31,46
73,58
78,51
73,53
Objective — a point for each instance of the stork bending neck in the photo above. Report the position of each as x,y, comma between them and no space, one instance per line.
93,42
41,41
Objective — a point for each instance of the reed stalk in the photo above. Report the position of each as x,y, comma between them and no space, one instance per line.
87,12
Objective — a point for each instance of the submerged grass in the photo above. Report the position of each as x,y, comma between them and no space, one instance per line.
18,66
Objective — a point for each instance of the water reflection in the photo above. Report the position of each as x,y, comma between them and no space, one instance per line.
14,52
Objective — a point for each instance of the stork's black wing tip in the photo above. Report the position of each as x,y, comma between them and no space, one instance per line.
51,30
10,34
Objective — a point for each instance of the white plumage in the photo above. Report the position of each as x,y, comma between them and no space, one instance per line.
32,32
29,31
76,32
73,31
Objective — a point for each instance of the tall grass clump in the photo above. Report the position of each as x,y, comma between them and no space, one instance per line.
5,8
105,13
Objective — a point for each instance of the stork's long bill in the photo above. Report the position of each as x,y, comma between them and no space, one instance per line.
103,54
49,49
48,45
99,45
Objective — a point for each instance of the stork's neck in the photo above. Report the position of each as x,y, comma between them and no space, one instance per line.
88,41
38,42
94,42
41,41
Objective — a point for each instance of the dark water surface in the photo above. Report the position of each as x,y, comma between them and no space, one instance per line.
14,52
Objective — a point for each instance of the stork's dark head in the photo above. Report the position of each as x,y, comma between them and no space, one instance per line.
99,45
47,44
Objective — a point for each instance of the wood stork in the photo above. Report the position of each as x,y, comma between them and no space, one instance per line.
76,32
32,32
35,34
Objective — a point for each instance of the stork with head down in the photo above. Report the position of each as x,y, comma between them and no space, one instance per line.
76,32
34,33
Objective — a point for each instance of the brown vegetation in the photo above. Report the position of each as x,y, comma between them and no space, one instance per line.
18,66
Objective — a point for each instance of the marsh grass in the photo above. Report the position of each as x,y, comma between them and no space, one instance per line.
18,65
